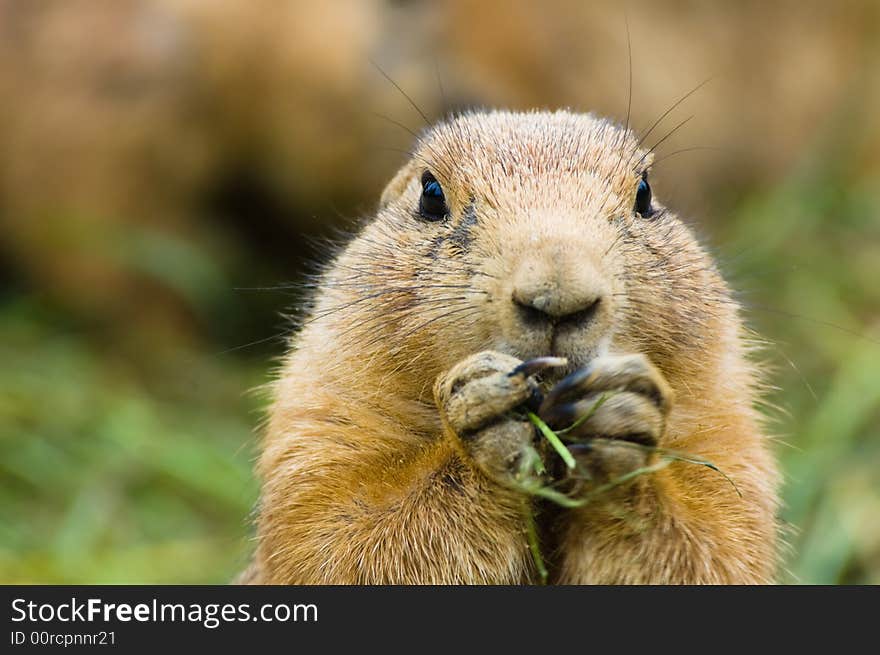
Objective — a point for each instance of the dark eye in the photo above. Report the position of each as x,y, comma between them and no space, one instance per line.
643,197
432,204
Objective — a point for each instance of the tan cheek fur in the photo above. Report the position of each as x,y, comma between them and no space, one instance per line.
361,481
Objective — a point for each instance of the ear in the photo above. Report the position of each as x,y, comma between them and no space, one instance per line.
397,185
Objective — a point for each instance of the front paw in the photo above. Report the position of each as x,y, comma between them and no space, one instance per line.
611,414
482,402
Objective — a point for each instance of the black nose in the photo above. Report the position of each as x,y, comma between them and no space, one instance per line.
542,308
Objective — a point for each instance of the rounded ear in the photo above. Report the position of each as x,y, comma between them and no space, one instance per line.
397,185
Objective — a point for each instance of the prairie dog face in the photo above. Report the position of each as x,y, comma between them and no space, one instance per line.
533,234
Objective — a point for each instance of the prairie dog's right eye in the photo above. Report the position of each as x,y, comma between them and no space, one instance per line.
432,203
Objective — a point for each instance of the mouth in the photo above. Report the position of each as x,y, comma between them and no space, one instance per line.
578,349
577,346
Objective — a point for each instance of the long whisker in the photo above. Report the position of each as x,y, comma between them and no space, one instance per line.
678,152
628,96
373,296
403,126
440,86
437,318
752,307
467,310
668,111
366,285
666,136
417,137
375,325
629,55
402,92
278,335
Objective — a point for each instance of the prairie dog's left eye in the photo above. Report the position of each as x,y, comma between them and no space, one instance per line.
643,197
432,203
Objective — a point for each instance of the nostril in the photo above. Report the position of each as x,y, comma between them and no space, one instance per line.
530,310
531,315
542,310
580,317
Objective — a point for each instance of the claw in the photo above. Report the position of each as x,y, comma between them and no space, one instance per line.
570,385
533,366
614,373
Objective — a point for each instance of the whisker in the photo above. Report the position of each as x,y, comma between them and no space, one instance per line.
278,335
629,91
674,105
359,285
468,310
667,135
630,72
396,123
440,86
415,136
373,296
678,152
402,92
816,321
437,318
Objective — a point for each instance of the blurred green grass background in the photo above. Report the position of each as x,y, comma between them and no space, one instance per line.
162,165
111,476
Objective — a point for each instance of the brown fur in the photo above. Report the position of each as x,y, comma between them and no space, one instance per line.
377,466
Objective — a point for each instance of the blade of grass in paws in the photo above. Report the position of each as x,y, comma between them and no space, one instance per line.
690,459
585,417
550,435
675,455
632,475
535,545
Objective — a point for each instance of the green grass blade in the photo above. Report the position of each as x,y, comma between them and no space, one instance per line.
557,444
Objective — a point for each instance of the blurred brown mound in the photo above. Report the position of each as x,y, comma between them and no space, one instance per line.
96,148
210,122
140,123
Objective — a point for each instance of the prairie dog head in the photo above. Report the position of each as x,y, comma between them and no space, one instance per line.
532,234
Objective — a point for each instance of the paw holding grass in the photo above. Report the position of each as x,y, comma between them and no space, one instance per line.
611,415
598,423
483,401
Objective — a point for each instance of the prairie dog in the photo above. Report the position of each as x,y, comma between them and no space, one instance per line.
398,449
